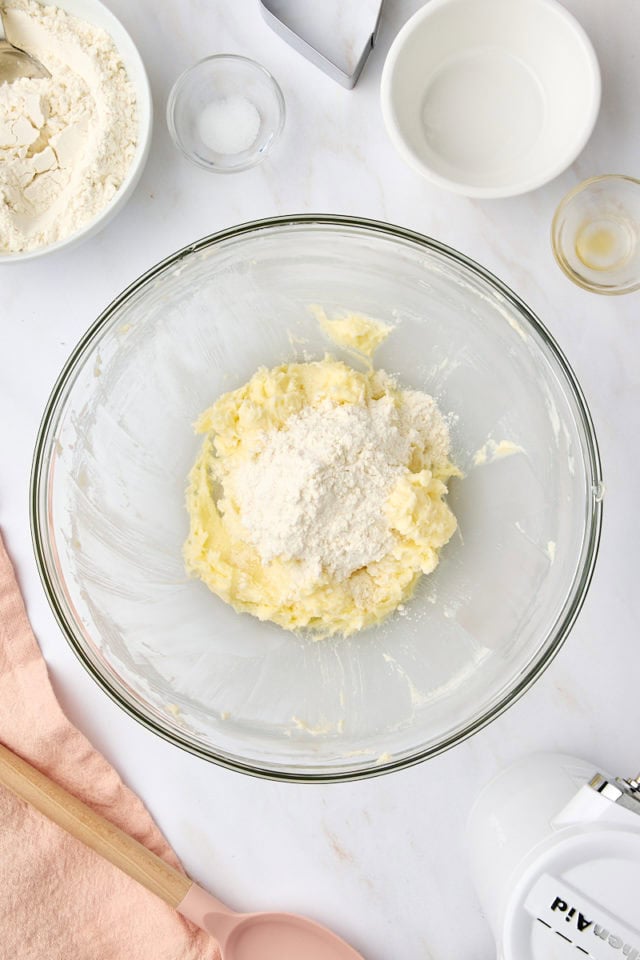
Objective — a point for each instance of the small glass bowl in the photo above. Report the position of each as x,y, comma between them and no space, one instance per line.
236,85
595,234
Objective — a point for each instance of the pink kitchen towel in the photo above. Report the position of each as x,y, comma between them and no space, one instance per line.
58,899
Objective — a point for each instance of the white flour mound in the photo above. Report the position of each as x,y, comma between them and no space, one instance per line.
316,490
66,142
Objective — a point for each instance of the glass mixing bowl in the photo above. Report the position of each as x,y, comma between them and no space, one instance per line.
109,519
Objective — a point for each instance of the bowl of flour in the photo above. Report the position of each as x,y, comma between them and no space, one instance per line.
72,146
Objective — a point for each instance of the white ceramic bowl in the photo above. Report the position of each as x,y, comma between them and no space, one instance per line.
491,98
97,14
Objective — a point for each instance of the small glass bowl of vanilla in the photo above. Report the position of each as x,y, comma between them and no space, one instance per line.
595,234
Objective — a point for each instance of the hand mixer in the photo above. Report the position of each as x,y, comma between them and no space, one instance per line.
555,852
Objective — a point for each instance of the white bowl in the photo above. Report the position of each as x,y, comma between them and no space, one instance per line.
94,12
490,98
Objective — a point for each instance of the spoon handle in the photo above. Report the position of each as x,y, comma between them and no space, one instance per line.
86,825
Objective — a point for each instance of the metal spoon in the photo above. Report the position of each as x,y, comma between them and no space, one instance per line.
241,936
15,62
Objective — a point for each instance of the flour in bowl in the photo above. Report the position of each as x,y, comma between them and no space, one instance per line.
66,142
316,490
318,497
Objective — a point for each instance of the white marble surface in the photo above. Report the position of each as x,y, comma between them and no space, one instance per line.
382,861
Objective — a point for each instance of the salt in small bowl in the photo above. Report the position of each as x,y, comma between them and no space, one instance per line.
225,113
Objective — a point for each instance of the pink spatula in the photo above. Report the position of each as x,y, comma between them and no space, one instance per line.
241,936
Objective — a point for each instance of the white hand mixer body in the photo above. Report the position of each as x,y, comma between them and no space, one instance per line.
555,857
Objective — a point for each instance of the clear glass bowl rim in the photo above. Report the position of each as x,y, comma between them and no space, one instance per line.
54,408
